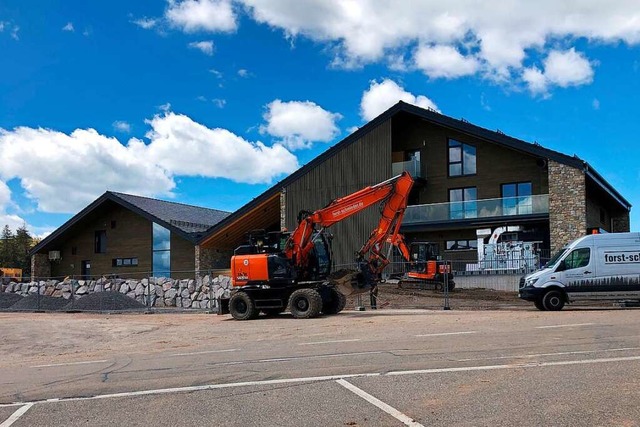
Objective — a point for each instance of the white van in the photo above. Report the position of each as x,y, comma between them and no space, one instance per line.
593,267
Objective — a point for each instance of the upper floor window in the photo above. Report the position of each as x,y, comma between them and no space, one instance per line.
516,198
463,203
461,245
462,158
100,242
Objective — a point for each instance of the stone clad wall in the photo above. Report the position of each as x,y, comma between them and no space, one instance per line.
153,292
567,204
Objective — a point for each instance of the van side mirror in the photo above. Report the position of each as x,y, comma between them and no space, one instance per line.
562,266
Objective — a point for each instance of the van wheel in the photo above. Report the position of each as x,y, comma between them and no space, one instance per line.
539,306
553,301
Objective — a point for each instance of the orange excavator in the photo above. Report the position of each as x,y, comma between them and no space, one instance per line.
277,269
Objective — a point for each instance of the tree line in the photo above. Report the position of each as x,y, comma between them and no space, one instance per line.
14,249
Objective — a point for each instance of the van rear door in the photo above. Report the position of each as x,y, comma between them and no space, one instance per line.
579,274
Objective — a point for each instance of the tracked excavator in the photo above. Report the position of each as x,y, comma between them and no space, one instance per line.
276,270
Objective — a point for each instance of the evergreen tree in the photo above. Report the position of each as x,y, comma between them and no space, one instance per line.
7,244
23,243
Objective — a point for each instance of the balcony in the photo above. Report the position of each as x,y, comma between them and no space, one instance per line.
411,166
477,209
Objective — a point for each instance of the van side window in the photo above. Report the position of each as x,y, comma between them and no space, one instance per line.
578,258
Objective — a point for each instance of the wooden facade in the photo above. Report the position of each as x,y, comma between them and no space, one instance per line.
364,162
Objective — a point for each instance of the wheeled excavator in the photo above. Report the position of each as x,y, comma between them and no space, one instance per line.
276,270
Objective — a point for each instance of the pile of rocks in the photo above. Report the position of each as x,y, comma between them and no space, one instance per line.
152,292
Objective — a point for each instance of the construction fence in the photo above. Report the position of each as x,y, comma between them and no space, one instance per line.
142,291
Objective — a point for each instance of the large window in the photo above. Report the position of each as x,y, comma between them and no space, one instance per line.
463,203
516,198
461,245
462,158
100,242
161,251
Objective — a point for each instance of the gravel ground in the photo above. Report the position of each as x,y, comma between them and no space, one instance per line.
39,302
105,301
7,300
389,296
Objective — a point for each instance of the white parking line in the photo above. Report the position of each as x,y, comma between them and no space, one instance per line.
292,358
442,334
16,415
380,404
205,352
563,353
332,378
70,363
328,342
570,325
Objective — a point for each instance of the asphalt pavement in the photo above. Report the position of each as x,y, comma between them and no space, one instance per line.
385,368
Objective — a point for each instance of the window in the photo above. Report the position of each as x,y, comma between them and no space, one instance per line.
602,216
161,251
463,203
516,198
461,245
74,250
124,262
578,258
462,158
100,240
113,224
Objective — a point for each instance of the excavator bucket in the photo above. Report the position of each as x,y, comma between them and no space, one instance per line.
349,282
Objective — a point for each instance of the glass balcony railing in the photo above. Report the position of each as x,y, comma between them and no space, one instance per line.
487,208
411,166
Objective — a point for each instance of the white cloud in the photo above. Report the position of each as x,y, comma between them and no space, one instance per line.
12,220
568,68
122,126
218,102
68,27
381,96
595,104
205,46
300,123
12,28
146,23
64,172
201,15
561,68
444,61
216,73
244,73
496,38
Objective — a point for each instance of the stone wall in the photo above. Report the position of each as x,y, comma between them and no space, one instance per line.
40,266
621,223
567,204
152,292
211,259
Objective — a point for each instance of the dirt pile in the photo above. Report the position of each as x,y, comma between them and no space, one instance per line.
7,300
105,301
40,302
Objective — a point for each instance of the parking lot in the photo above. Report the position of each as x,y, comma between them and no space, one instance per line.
390,367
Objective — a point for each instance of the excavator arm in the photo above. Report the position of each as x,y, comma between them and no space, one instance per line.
391,194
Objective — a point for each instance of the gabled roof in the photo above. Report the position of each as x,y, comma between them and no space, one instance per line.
188,221
495,137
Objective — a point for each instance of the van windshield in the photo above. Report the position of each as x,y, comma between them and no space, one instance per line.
554,259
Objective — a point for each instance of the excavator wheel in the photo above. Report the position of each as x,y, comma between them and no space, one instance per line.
241,307
305,303
335,304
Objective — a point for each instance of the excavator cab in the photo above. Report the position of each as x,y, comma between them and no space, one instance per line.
426,267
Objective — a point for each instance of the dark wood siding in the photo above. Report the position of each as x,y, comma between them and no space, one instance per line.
182,257
365,162
495,165
130,238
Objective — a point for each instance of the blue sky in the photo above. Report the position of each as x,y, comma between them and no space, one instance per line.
209,102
